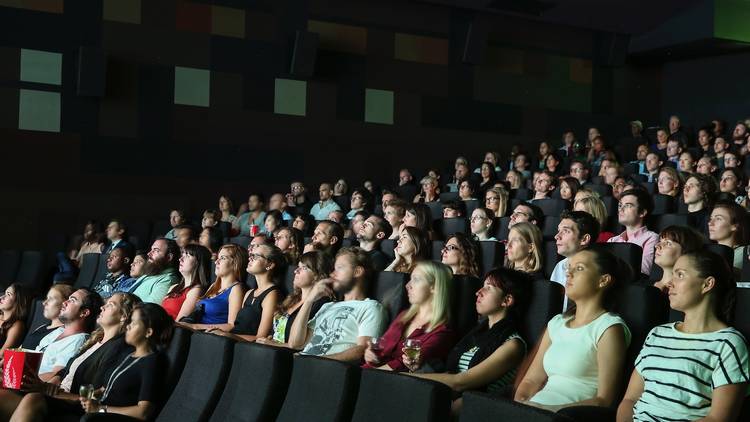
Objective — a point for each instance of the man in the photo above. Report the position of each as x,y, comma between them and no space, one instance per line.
394,213
634,206
568,139
185,235
326,204
593,133
387,197
361,200
720,148
653,164
739,135
254,215
118,270
544,185
297,199
577,231
526,212
521,165
372,233
731,160
579,170
674,149
115,234
176,218
636,130
160,271
327,237
337,216
662,138
462,172
277,202
707,165
405,177
697,192
705,140
355,225
78,315
340,330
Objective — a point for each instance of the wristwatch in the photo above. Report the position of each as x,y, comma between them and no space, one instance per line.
103,409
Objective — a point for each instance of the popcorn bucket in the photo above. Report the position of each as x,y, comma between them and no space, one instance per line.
16,363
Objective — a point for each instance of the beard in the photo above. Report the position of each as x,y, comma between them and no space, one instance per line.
154,267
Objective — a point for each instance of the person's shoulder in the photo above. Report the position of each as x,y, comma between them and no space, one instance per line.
732,336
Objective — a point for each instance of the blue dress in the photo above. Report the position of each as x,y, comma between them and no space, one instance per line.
216,309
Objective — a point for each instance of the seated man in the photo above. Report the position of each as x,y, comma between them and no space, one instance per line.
255,216
544,185
279,203
577,231
118,270
373,231
580,171
340,330
526,212
297,200
635,205
327,237
115,235
653,164
160,272
326,204
185,235
176,218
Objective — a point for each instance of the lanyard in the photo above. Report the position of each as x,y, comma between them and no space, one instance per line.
116,374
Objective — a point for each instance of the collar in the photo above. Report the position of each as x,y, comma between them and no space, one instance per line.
635,233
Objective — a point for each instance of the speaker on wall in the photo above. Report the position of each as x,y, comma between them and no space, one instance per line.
92,72
304,54
475,43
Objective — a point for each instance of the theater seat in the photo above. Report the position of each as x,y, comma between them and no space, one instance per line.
521,194
404,398
501,228
202,380
448,226
436,209
387,246
471,205
437,250
449,196
321,389
664,204
36,316
176,355
545,302
551,258
30,270
602,190
241,241
630,253
491,255
723,251
552,206
464,315
549,228
661,222
389,290
9,262
101,268
485,407
257,384
88,269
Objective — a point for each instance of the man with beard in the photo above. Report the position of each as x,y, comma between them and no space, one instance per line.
340,330
254,215
373,231
160,271
327,238
118,269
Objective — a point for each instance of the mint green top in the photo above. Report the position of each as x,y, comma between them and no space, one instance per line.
153,288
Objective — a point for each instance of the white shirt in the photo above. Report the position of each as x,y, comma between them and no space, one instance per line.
337,326
58,352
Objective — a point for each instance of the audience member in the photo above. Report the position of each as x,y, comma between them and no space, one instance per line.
674,241
727,227
526,212
412,246
669,182
327,237
137,269
577,231
394,213
362,200
461,254
698,195
686,163
523,250
210,218
297,200
211,238
467,190
195,278
634,206
227,210
15,305
482,224
304,223
579,171
454,209
118,270
255,216
568,188
116,231
185,235
160,271
372,233
277,202
653,165
595,206
430,191
291,242
56,296
176,218
272,222
496,200
326,204
544,185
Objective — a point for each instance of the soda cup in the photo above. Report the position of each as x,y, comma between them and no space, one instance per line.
254,229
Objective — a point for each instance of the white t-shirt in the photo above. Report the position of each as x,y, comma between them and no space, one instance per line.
571,362
337,325
59,352
560,275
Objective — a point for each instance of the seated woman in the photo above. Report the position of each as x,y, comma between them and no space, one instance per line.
222,301
137,269
312,267
211,238
540,161
514,179
733,181
430,191
488,356
726,226
290,241
467,190
580,357
496,200
411,247
568,188
227,210
134,386
91,242
15,305
460,253
674,241
56,295
596,208
255,319
482,224
524,250
419,216
425,321
487,176
362,200
669,181
195,277
101,353
272,222
552,164
304,223
695,369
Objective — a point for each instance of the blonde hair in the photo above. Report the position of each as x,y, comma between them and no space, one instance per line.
440,278
533,236
502,204
587,192
595,206
239,267
678,179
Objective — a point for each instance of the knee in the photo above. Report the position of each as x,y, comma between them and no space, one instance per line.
33,403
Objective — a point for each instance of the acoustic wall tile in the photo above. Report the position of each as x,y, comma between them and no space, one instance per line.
580,71
290,97
226,90
39,110
10,59
379,106
127,11
261,26
339,37
41,67
192,86
228,21
505,59
49,6
9,106
194,17
421,49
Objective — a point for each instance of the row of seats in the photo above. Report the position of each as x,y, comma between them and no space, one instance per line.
24,267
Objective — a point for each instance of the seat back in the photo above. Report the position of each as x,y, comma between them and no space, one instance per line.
387,246
30,270
176,355
320,389
664,204
521,194
549,228
88,269
101,267
546,301
552,206
491,255
409,399
449,196
36,316
602,190
289,279
449,226
630,253
202,379
471,205
463,303
661,222
483,407
723,251
241,241
389,289
437,250
9,262
257,384
551,258
436,209
501,228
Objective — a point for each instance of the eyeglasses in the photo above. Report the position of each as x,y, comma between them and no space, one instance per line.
492,198
254,256
517,214
625,206
477,218
450,248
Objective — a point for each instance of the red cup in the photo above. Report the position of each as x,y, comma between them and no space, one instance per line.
254,229
16,363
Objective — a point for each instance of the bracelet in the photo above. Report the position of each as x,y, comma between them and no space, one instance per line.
103,409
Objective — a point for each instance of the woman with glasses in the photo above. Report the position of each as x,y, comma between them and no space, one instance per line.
460,253
430,191
496,200
524,250
255,319
482,223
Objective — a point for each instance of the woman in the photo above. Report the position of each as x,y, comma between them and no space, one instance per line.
211,238
340,188
544,152
133,388
568,188
695,369
686,164
304,223
425,321
227,210
255,319
514,179
56,295
674,241
491,157
669,181
482,223
581,354
460,253
419,216
597,152
726,226
92,242
137,268
14,308
552,163
524,250
430,191
496,200
195,277
596,208
362,200
466,190
272,222
487,176
222,301
411,247
290,241
487,357
98,356
733,181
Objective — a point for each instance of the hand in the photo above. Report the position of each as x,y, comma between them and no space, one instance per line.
411,364
31,383
89,406
216,331
370,356
308,248
266,340
323,288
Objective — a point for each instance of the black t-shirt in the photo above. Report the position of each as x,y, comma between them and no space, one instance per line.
135,380
249,317
34,337
379,259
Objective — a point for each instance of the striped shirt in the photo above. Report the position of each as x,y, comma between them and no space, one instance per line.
681,370
498,384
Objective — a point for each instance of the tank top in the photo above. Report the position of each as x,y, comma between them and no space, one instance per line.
216,309
248,319
173,304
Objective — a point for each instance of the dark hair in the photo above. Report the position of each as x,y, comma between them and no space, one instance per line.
121,225
423,215
127,250
490,215
618,270
215,239
645,202
573,184
201,274
190,227
459,206
309,223
493,176
707,185
261,198
276,215
172,249
469,251
23,307
538,214
161,324
367,198
690,240
334,229
710,264
515,283
586,223
382,225
128,302
298,240
421,244
279,260
93,302
321,265
736,216
739,175
360,258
